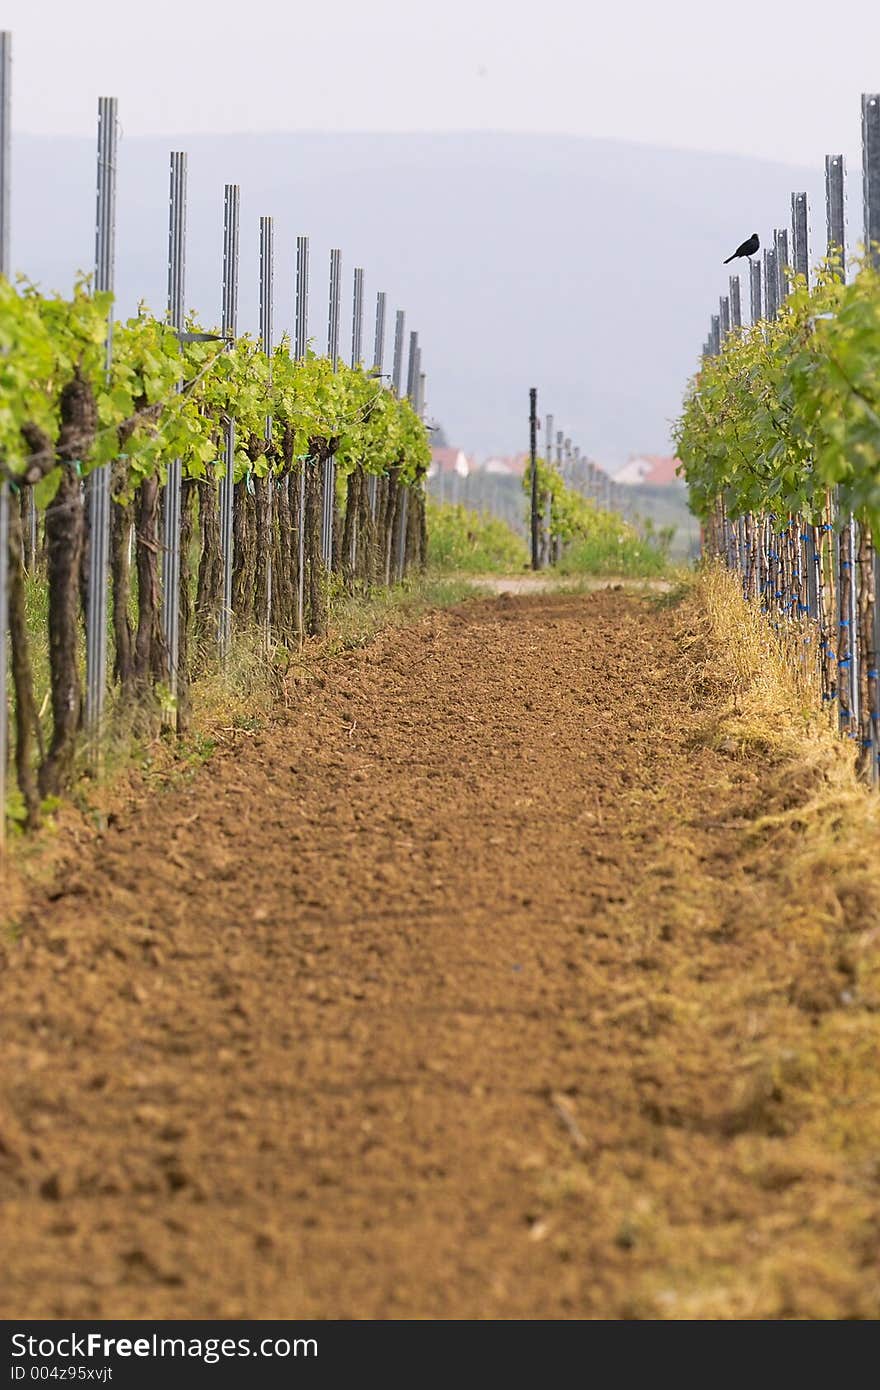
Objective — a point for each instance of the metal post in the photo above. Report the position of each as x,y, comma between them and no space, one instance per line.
397,365
780,237
5,146
301,336
379,338
735,303
771,283
334,302
411,365
715,335
5,143
724,315
229,328
533,463
548,459
835,210
414,375
800,235
378,368
99,480
301,340
171,537
755,291
871,173
837,626
333,354
357,318
357,333
267,292
871,224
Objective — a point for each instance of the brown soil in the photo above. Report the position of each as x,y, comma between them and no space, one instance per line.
459,992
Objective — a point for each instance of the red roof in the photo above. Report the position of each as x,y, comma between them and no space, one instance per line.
657,469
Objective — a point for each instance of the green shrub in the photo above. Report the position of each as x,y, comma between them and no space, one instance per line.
471,542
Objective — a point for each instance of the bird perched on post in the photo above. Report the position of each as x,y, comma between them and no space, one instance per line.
748,248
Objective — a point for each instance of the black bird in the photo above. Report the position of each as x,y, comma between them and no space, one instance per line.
748,248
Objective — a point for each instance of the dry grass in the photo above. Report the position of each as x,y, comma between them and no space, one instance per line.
822,824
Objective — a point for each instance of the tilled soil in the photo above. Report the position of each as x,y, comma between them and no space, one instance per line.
453,993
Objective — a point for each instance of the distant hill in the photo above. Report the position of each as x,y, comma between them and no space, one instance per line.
587,268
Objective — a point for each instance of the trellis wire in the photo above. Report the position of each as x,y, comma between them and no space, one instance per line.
333,354
99,480
267,292
5,145
229,329
171,529
301,346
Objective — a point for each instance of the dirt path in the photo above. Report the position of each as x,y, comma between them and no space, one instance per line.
454,994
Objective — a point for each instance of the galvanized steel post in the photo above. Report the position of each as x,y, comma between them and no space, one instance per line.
301,334
99,480
301,342
357,318
5,145
171,530
229,329
397,363
800,235
267,293
379,336
378,370
771,283
533,464
735,303
780,237
835,210
755,311
871,174
333,354
411,364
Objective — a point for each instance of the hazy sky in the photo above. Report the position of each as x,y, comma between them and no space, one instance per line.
780,81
